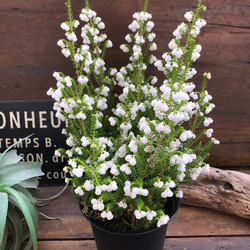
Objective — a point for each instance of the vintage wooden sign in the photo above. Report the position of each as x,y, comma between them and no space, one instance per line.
21,118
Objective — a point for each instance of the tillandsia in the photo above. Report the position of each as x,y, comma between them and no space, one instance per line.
129,150
18,190
19,215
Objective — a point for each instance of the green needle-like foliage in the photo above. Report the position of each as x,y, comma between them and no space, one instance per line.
132,139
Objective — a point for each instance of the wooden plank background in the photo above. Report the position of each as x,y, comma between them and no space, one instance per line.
192,228
29,55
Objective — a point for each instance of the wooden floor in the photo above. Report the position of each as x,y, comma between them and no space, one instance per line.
192,228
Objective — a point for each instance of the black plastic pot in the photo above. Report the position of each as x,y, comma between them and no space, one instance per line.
152,239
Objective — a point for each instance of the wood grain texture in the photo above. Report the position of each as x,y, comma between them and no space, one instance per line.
193,228
189,222
29,55
215,243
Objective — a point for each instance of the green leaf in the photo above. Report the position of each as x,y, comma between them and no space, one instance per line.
3,154
29,211
46,200
15,222
29,245
15,173
35,218
3,213
5,238
25,191
35,192
30,183
9,158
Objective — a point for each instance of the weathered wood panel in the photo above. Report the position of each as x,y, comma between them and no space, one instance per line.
192,228
215,243
29,55
73,225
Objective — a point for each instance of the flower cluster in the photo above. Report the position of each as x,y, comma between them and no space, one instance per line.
129,152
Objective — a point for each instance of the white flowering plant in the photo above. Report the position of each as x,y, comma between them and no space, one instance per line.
132,147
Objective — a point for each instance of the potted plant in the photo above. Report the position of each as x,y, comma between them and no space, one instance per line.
18,188
132,140
19,215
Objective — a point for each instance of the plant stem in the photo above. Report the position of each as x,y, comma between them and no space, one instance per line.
145,6
87,4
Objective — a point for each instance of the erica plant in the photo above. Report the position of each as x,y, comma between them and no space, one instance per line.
129,152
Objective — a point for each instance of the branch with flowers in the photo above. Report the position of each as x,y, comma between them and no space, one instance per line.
129,152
